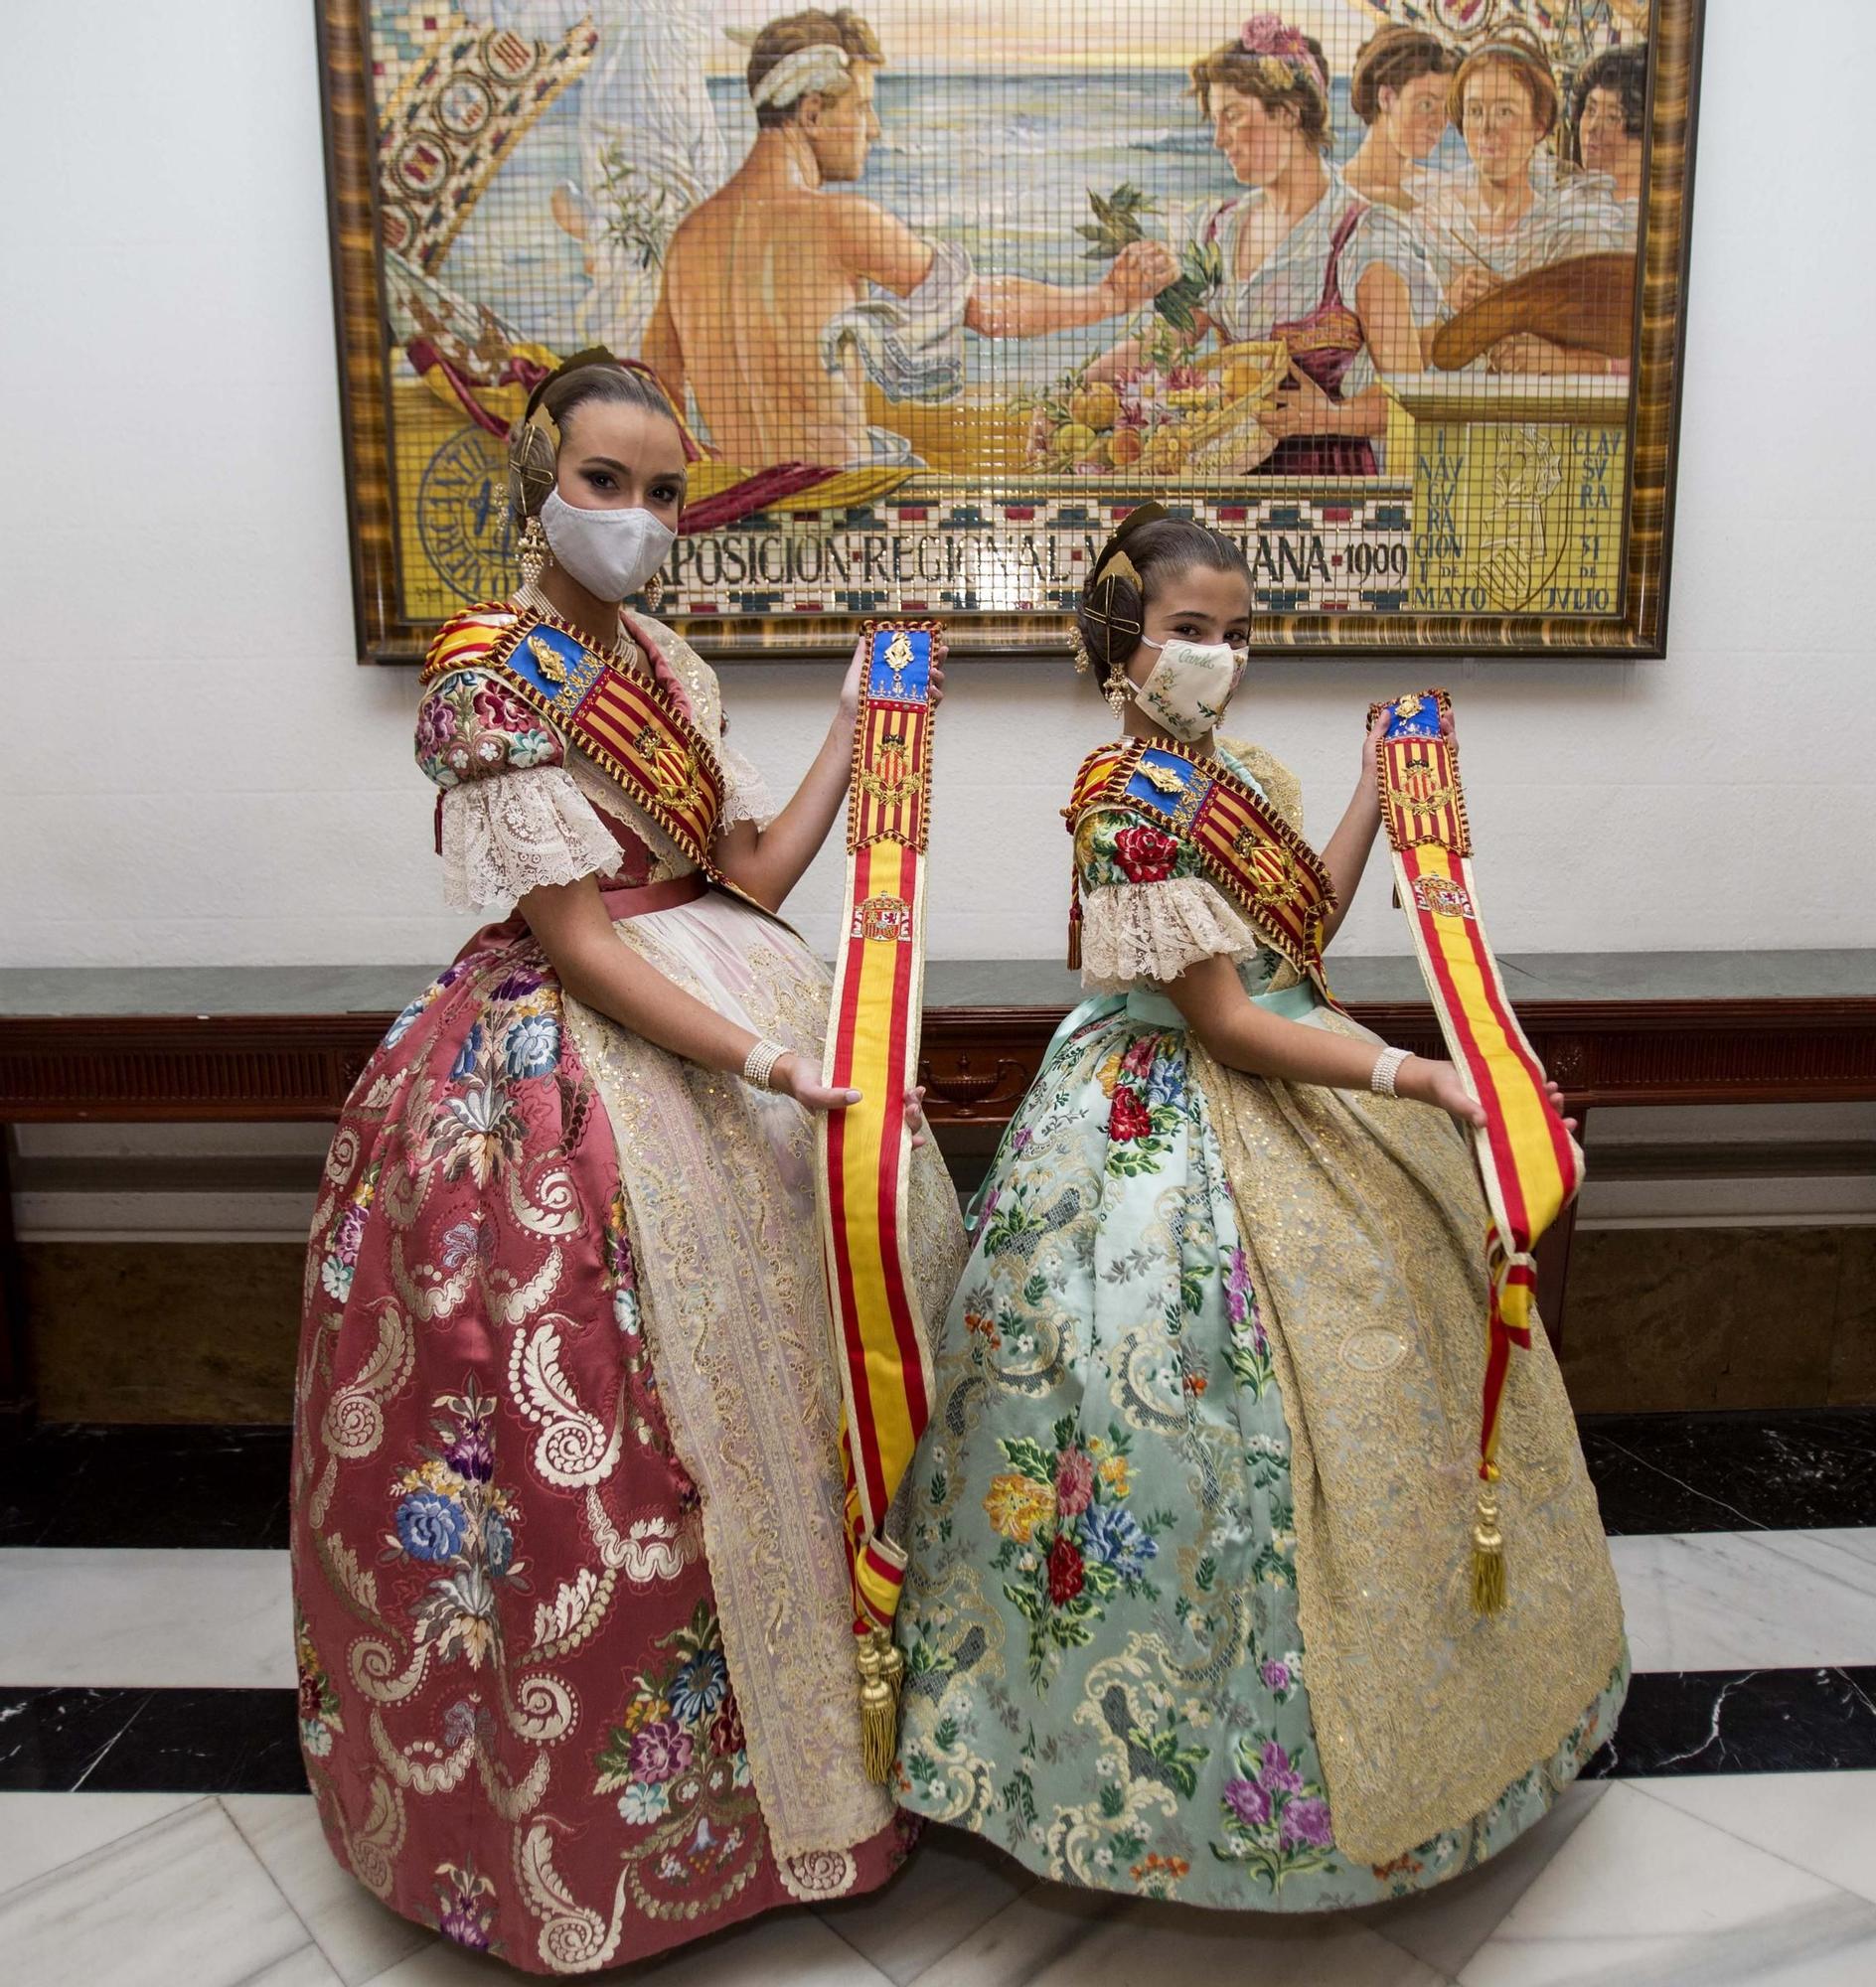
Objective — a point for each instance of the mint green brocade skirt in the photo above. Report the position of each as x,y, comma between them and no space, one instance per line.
1105,1671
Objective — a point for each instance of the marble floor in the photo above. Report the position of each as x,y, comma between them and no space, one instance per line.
154,1826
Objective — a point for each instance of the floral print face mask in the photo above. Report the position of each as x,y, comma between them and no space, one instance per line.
1191,685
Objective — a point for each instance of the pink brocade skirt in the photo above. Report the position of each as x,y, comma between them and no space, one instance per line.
516,1716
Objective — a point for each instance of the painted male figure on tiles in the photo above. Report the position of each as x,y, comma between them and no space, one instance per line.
781,298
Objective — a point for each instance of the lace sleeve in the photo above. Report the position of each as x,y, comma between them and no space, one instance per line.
1154,931
745,792
506,835
1148,910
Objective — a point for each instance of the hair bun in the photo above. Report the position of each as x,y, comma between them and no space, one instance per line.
532,465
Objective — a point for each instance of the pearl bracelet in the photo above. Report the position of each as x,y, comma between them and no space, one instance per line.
759,1064
1386,1069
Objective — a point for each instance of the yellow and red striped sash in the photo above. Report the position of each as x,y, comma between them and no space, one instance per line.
1531,1165
631,728
864,1151
1249,850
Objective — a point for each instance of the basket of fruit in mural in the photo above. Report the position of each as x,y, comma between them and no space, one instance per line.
1190,419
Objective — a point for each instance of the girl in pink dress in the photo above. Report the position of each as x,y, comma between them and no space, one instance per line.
576,1664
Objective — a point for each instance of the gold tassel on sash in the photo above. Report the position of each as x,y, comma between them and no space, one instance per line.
881,1671
1488,1551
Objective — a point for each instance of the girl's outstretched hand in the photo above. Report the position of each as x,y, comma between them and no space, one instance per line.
850,689
794,1077
1440,1084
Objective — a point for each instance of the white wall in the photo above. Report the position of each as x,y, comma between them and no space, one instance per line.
195,771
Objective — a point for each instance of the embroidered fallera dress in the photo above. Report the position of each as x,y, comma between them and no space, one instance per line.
576,1667
1188,1615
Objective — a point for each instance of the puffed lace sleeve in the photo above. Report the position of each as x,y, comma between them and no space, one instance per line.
1148,910
746,792
511,817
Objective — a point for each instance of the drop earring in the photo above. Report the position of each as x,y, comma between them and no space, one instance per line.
1117,693
654,592
533,552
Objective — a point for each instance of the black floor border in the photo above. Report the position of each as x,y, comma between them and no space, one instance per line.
137,1741
1680,1722
192,1486
205,1486
1737,1470
235,1742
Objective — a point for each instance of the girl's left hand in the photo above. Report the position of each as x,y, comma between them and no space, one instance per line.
850,689
1370,751
915,1116
1370,745
1556,1104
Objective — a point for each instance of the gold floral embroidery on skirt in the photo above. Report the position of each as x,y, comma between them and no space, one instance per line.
1364,1225
720,1183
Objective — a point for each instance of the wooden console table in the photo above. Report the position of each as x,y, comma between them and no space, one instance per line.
287,1042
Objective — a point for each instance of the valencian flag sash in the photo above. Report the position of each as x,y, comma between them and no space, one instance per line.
1253,856
1531,1165
629,725
864,1151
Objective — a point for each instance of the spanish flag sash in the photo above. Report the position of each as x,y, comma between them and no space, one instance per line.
864,1151
629,726
1254,857
1529,1164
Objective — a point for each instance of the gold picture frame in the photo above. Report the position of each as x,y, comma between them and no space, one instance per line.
1537,445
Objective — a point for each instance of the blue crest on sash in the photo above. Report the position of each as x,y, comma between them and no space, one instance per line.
558,665
1412,716
899,666
1167,785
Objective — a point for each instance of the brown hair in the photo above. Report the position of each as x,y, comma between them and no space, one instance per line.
844,30
1392,58
1277,85
1523,54
1160,551
586,377
1625,71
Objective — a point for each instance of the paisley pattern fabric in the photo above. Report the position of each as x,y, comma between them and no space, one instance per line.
535,1712
1125,1607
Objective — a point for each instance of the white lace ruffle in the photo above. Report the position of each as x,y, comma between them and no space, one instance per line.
516,832
1154,931
746,792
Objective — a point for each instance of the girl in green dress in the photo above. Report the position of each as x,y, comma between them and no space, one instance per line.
1188,1614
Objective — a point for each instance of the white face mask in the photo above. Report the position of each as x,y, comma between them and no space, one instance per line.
1191,685
611,553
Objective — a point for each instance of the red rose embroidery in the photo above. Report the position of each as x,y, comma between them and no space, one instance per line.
1130,1119
1064,1571
1139,1060
499,711
1145,854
